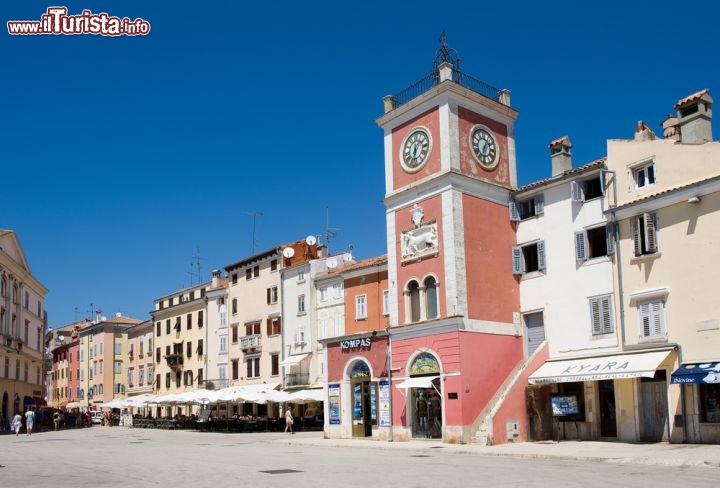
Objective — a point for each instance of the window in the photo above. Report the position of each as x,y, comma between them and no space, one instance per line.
200,319
601,315
644,233
582,191
118,367
643,176
188,321
248,274
200,347
188,378
167,327
652,319
158,328
249,368
234,278
189,349
431,298
256,271
157,354
528,258
301,304
593,243
200,376
234,306
234,334
178,324
141,376
252,328
526,209
413,293
709,403
360,307
274,326
223,344
386,302
272,295
301,276
273,265
118,348
274,364
131,377
235,372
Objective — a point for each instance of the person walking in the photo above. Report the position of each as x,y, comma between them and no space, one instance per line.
289,420
56,420
16,424
29,421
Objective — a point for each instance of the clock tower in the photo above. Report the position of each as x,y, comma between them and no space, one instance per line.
449,168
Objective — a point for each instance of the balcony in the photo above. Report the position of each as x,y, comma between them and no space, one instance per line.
174,361
250,343
297,379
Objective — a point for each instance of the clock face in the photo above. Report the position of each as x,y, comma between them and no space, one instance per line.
415,149
484,147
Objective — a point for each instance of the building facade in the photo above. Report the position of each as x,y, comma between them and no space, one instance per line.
23,322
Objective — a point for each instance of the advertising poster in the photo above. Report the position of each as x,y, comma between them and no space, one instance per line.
334,404
384,403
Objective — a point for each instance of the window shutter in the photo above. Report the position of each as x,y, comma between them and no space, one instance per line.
268,296
541,255
576,191
645,319
539,204
268,326
517,260
637,242
580,246
658,320
606,327
650,232
514,214
610,237
595,315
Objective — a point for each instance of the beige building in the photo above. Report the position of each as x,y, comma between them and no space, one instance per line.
180,337
140,366
23,321
667,216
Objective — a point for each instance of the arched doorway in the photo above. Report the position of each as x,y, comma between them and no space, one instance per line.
363,400
425,398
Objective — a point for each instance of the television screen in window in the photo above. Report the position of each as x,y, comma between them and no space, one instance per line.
563,405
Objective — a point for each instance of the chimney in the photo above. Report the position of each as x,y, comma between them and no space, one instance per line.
560,155
215,278
694,114
643,132
670,130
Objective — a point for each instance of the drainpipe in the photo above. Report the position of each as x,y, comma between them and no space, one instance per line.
387,331
631,347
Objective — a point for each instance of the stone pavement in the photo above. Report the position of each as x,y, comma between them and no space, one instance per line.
698,455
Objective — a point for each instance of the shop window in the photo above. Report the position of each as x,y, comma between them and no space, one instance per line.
573,389
709,403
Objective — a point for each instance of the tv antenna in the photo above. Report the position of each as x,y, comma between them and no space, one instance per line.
330,232
254,216
195,263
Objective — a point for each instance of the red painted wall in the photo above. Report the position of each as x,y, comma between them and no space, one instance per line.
431,121
493,291
468,164
372,286
419,270
514,407
376,355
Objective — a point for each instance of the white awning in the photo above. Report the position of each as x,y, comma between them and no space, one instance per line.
620,366
417,382
291,360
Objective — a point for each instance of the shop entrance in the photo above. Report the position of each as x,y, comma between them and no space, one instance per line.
653,408
608,418
427,412
362,408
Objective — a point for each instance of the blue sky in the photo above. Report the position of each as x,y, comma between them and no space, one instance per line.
121,157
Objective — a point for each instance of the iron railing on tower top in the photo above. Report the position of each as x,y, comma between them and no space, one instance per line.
433,78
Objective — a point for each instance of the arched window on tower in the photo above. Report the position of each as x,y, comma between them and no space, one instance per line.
431,297
413,293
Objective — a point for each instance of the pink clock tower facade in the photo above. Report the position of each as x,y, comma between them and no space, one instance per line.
454,302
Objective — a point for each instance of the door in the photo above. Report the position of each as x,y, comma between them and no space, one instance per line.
653,408
361,409
608,417
535,331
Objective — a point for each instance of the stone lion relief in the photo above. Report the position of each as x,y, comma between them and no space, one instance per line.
419,242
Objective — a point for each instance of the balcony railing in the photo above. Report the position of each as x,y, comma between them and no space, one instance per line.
297,379
174,360
250,342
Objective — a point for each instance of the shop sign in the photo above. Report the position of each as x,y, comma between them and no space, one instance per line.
351,344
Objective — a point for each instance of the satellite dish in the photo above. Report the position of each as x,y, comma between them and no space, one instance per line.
288,252
310,240
347,257
332,263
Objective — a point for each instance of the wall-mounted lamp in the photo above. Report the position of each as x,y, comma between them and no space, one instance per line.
694,200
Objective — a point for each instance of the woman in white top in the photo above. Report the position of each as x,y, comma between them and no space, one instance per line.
16,424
